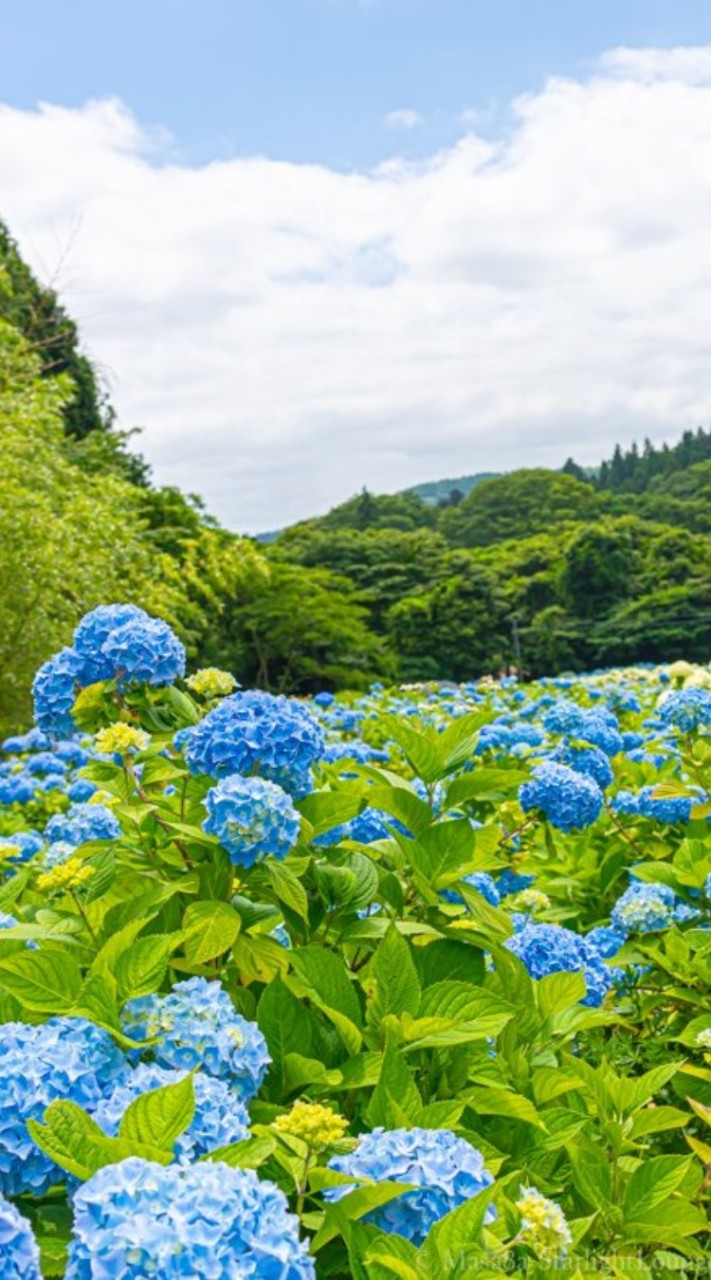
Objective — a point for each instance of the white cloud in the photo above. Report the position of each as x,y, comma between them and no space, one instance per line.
287,333
403,118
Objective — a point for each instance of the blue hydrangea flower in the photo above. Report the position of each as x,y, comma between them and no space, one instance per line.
569,800
592,762
93,631
72,753
625,802
707,887
445,1169
27,843
137,1219
668,808
80,790
81,823
63,1058
255,732
686,709
196,1025
145,651
33,740
56,853
512,882
220,1114
643,908
17,789
252,818
606,940
54,690
324,699
46,762
19,1252
549,948
479,880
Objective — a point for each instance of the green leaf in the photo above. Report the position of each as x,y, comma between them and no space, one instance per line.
250,1153
159,1117
458,1230
43,981
653,1182
503,1102
325,976
285,1025
395,1100
396,987
325,810
558,991
211,928
141,970
288,889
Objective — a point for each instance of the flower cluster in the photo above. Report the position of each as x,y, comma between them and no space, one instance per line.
220,1114
549,948
19,1253
544,1229
482,882
686,709
444,1170
569,800
210,682
71,874
196,1025
256,732
643,908
81,823
136,1219
63,1058
113,642
251,818
121,739
316,1125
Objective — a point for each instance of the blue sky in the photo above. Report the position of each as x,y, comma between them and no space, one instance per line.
313,245
313,80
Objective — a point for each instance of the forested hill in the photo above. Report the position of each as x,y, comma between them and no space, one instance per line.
593,568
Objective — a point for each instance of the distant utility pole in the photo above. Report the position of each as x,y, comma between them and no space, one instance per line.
516,643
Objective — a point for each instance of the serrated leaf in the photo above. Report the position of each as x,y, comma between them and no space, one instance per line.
211,929
43,981
396,985
158,1118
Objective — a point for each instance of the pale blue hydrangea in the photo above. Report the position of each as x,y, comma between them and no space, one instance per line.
549,948
54,690
81,823
145,651
252,818
197,1025
17,789
92,633
606,940
445,1169
137,1219
569,800
27,843
33,740
686,709
667,808
45,762
19,1252
220,1114
80,790
55,854
255,732
644,908
63,1058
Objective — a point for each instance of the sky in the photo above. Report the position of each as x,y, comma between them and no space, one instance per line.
319,244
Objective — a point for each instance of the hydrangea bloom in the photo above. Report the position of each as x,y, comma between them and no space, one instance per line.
46,762
686,709
138,1219
251,818
198,1026
26,844
54,692
254,732
592,762
83,822
445,1169
666,808
549,948
606,940
18,1248
145,651
543,1225
569,800
511,881
63,1058
17,789
92,633
643,908
220,1114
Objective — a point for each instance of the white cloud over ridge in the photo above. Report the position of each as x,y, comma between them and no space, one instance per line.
286,333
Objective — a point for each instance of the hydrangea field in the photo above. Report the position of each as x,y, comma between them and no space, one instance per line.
413,983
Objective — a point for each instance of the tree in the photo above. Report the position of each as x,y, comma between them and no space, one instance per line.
518,505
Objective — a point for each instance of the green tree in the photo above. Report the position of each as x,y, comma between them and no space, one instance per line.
518,505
